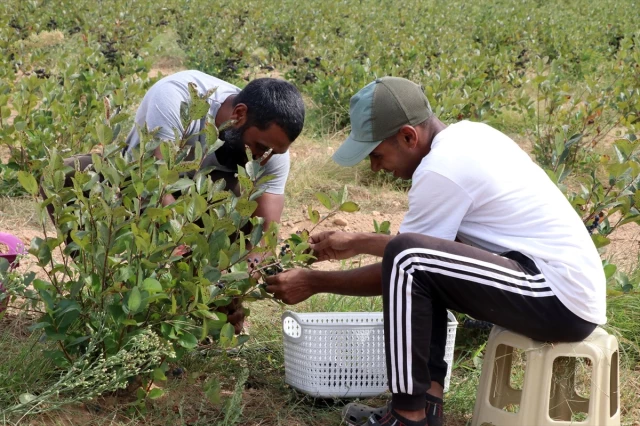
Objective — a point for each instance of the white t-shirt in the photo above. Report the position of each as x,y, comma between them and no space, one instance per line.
478,185
160,107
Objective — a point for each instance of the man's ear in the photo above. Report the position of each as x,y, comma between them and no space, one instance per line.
239,114
409,136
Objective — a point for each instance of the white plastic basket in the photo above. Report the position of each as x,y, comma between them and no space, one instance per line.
341,355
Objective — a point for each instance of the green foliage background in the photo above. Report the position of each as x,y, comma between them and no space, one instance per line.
563,75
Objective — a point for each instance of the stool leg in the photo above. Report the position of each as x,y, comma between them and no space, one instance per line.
563,399
502,394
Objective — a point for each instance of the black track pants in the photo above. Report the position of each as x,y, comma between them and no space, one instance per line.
422,277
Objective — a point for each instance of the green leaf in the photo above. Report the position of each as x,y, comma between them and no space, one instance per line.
211,135
609,270
152,286
28,182
78,340
47,299
246,207
253,169
227,331
4,265
256,234
314,216
157,212
212,274
198,109
223,261
235,276
264,179
344,195
104,133
300,248
155,393
187,166
198,154
188,340
180,184
599,240
324,199
623,149
184,113
336,197
385,227
246,184
158,374
191,212
81,238
349,206
169,176
38,326
134,300
174,305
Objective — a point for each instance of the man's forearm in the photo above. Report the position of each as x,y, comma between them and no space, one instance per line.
364,281
373,244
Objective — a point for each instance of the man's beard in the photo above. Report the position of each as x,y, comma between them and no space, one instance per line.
232,153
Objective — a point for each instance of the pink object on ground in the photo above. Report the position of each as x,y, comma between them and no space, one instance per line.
15,246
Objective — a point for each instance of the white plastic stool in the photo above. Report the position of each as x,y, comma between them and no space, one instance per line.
548,395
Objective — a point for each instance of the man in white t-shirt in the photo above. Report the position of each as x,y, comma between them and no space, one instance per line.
269,115
487,233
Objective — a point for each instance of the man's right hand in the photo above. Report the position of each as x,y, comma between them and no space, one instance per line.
333,245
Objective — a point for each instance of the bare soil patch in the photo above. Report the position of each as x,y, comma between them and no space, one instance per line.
624,249
5,154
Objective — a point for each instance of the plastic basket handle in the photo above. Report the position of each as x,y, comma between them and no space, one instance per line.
451,319
296,318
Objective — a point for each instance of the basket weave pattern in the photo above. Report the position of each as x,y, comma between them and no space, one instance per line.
341,354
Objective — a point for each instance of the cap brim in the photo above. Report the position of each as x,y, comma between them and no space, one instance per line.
351,152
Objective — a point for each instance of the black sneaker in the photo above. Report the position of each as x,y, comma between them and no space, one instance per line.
355,414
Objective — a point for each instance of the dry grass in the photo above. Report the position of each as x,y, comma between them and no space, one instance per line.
44,39
313,170
18,214
166,55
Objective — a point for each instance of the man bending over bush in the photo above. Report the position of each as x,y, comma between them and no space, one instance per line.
268,115
487,234
265,117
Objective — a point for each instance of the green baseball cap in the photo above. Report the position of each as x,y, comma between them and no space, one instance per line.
377,112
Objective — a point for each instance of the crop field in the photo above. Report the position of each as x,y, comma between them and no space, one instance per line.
117,324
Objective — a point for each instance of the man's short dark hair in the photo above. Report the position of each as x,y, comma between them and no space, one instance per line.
272,101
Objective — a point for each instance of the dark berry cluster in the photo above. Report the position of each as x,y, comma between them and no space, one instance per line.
594,224
274,269
269,270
